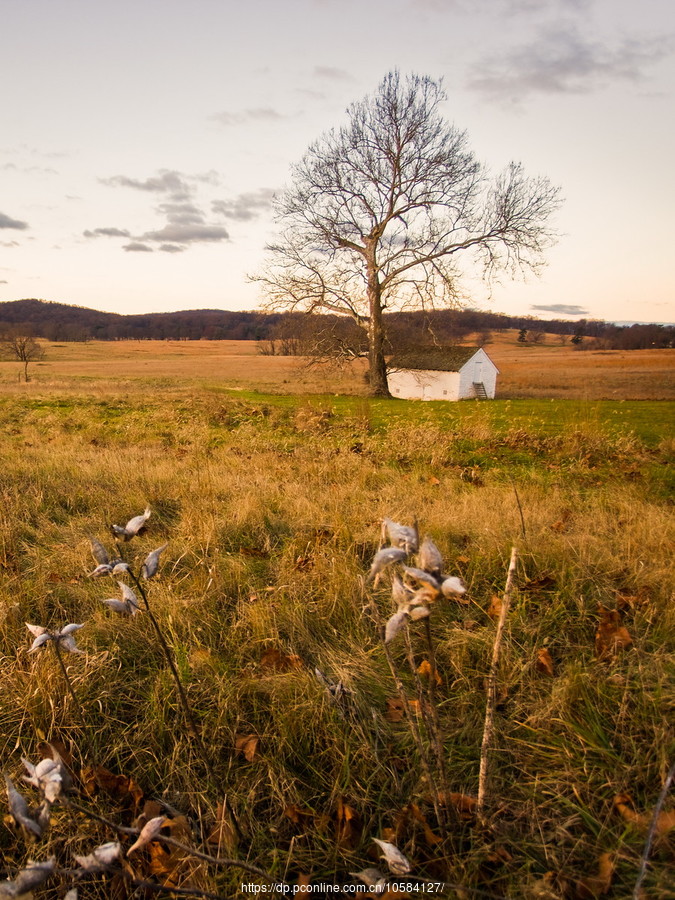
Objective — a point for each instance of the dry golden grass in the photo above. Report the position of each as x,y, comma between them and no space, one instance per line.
272,512
530,370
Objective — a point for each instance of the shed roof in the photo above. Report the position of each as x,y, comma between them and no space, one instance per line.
436,359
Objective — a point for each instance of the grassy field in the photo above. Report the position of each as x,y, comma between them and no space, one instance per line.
546,370
271,501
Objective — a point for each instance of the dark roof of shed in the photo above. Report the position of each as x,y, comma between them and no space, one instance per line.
436,359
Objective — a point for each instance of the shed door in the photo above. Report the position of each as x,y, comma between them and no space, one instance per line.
478,371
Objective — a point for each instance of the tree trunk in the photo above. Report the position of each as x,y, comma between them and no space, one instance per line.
25,371
377,368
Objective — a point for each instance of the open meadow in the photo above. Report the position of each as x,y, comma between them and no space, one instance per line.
297,735
548,370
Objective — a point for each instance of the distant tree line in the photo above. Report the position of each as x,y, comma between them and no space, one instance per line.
319,335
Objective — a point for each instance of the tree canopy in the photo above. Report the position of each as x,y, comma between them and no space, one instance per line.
379,211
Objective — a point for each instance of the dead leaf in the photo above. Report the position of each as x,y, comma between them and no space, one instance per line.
275,659
303,884
247,744
463,804
665,821
348,825
298,815
120,787
416,815
561,525
494,610
611,636
424,669
593,886
395,711
544,662
434,481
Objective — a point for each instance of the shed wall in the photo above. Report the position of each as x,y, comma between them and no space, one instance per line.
424,385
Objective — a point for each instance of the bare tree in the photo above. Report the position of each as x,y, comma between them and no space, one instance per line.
23,348
379,209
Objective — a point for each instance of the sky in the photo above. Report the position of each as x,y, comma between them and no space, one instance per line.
142,141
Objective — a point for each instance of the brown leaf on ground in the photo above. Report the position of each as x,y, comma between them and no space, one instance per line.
247,744
223,835
122,788
303,883
298,815
611,636
561,525
544,662
395,711
463,804
593,886
416,815
425,670
348,825
275,659
665,821
494,610
434,481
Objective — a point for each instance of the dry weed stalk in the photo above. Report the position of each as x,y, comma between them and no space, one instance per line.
492,688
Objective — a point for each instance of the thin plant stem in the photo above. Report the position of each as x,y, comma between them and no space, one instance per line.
651,833
520,508
438,734
410,716
78,705
192,724
430,722
492,688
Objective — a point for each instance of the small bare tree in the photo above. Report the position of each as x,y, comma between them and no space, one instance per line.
379,210
22,347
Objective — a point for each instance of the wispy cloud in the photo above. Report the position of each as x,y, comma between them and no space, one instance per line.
332,73
7,222
165,182
137,247
246,206
107,232
562,309
246,116
564,61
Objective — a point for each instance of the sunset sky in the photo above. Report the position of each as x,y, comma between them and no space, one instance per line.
142,140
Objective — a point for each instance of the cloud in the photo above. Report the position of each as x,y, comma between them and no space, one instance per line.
3,281
256,114
166,182
332,73
8,222
563,61
181,233
107,232
563,309
185,221
9,244
246,206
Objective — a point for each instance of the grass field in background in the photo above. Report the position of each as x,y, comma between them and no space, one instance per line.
271,503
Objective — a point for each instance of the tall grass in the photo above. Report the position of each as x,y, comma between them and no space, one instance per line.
272,514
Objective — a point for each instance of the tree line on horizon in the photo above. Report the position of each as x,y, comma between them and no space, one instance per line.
295,333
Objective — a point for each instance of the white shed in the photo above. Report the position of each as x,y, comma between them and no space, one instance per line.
443,373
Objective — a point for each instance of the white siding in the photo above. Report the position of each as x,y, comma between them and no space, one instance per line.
479,368
420,384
